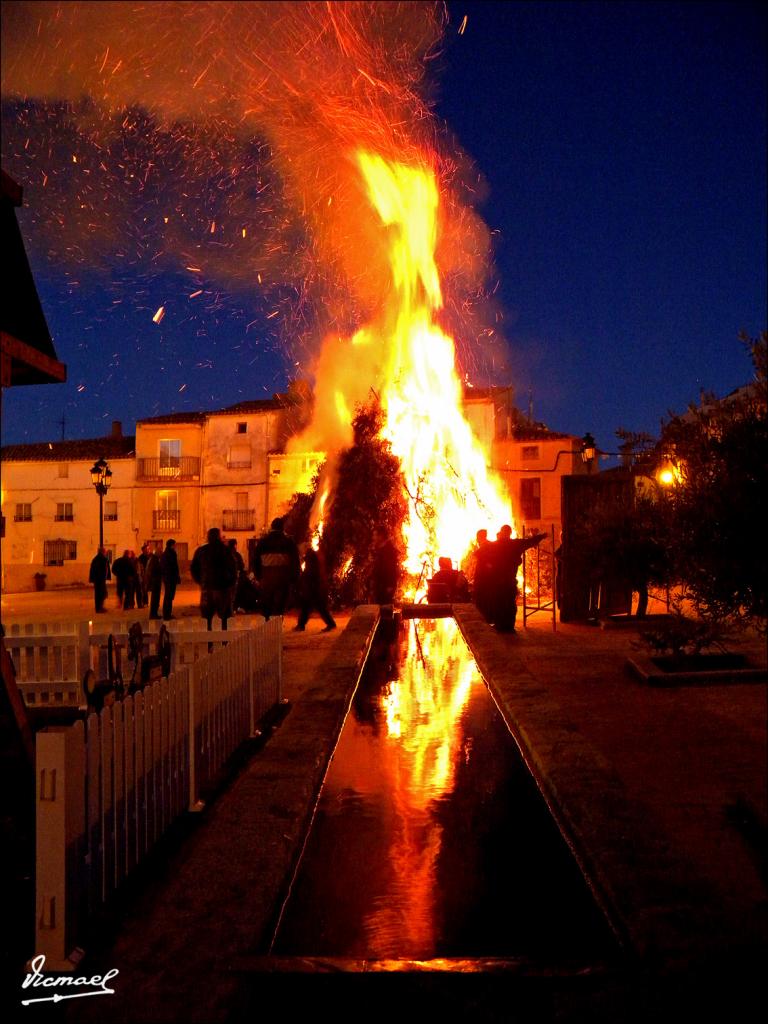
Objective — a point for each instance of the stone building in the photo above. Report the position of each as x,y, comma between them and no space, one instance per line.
51,509
183,473
528,456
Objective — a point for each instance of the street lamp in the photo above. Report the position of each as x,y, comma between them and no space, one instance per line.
588,449
101,478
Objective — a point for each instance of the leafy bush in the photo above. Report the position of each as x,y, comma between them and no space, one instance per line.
681,635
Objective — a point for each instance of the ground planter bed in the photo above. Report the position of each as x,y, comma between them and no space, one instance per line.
696,669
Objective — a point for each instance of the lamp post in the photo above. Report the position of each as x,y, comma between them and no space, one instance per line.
101,478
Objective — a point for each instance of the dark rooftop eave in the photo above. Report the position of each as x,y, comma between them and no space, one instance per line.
24,364
28,355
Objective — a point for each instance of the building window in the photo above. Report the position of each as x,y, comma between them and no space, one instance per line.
530,499
529,452
63,470
170,455
65,512
239,456
110,511
242,428
166,517
23,512
57,552
166,501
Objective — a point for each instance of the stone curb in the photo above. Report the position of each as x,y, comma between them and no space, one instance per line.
660,911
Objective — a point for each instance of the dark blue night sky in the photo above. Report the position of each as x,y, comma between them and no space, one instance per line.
623,151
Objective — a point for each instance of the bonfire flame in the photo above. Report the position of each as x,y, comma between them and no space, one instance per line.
451,492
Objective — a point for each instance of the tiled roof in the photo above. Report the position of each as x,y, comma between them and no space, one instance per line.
70,451
257,405
176,417
537,432
239,409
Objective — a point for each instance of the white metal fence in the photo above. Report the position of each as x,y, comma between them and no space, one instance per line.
108,787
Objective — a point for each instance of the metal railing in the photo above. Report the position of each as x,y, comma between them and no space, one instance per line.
238,519
185,467
166,519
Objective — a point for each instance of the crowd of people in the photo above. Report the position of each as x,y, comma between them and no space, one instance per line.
139,579
280,574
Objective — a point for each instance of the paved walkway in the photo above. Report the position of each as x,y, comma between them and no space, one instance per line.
75,604
661,791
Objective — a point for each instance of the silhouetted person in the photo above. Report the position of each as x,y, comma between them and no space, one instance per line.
214,569
239,571
482,573
142,590
124,571
506,557
133,583
154,578
313,590
169,570
385,570
276,566
447,584
98,576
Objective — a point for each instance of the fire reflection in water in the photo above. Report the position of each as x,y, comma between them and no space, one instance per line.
416,752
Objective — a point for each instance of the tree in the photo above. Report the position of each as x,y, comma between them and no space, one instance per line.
369,492
719,505
626,545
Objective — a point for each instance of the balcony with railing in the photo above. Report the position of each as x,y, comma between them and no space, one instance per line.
166,519
185,467
238,519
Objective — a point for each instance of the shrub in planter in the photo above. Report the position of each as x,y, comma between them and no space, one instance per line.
680,640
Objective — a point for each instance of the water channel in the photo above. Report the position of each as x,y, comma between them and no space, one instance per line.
431,839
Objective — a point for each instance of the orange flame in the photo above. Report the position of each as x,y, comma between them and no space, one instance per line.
451,489
410,363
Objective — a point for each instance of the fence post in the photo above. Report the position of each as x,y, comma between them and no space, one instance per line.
280,660
252,681
83,660
60,843
193,688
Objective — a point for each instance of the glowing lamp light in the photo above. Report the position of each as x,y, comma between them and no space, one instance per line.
588,449
101,475
668,475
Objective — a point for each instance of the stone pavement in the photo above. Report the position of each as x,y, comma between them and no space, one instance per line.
660,792
75,604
